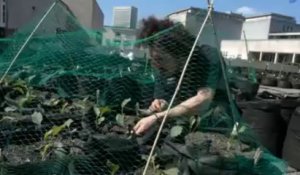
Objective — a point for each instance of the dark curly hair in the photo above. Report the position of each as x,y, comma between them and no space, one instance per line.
152,25
176,40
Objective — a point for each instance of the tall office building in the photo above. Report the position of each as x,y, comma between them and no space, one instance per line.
125,17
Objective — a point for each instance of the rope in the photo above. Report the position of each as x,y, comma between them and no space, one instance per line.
177,90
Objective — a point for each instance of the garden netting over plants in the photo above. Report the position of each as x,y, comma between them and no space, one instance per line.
70,99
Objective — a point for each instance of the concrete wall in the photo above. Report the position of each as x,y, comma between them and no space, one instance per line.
179,17
124,35
87,12
25,13
257,28
279,25
125,16
22,12
193,19
98,16
297,28
134,17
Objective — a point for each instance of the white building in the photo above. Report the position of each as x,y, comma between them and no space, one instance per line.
125,17
264,26
285,51
19,13
228,25
119,35
270,38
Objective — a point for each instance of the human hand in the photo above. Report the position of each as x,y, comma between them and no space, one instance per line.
144,124
158,105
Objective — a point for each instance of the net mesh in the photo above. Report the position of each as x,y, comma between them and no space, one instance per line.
71,99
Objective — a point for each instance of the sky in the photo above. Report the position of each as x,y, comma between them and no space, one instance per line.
161,8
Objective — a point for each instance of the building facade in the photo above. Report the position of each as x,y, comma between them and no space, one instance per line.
126,37
274,51
228,25
264,26
271,38
125,17
20,13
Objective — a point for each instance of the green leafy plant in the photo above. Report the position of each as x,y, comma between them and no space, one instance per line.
121,117
51,136
37,118
236,131
100,112
114,168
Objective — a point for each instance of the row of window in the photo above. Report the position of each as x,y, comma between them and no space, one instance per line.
284,58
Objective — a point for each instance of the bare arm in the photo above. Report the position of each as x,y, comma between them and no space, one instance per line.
192,105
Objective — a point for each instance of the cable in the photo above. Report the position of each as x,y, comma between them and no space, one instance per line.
210,7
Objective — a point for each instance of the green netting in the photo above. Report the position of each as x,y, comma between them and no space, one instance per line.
70,101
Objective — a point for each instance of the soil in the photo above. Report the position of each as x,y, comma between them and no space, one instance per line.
218,144
20,154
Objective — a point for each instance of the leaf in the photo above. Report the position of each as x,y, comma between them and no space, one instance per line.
97,96
114,168
97,111
19,89
57,129
125,102
120,119
242,129
85,99
10,109
8,118
193,121
64,106
68,123
60,152
54,131
171,171
31,78
46,78
104,110
61,92
48,134
21,101
234,131
37,118
176,131
45,150
100,120
55,102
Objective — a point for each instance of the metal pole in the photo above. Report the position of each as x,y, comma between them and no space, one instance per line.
246,44
27,40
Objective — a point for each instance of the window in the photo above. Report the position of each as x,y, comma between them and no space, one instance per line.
254,56
285,58
268,57
3,14
297,59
